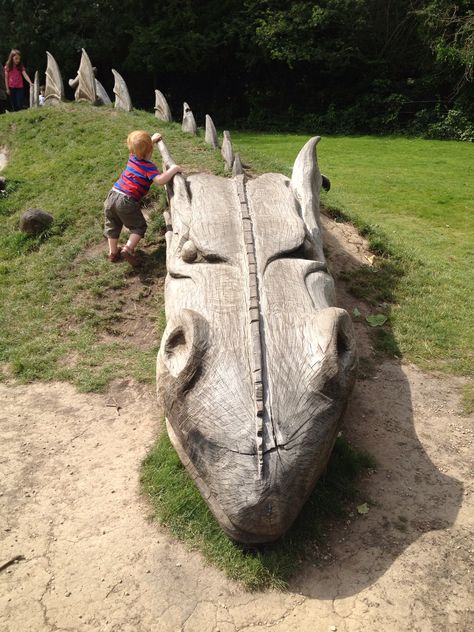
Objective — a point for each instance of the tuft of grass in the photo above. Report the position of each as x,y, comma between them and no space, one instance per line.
412,198
179,506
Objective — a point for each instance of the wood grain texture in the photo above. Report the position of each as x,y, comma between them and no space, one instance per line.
189,123
162,109
227,151
102,96
84,82
256,363
122,96
211,133
54,87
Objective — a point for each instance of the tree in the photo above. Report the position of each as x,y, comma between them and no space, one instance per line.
450,33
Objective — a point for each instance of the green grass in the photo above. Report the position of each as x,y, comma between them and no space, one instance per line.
59,294
180,507
413,199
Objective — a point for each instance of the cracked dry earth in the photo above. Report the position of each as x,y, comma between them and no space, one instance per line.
92,560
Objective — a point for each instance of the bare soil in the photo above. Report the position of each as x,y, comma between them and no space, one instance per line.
88,557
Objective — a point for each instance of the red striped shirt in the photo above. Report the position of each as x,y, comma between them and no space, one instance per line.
137,177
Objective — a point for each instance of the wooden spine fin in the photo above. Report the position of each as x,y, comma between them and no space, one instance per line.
34,92
237,167
84,83
162,110
189,124
227,151
122,96
102,96
211,133
54,88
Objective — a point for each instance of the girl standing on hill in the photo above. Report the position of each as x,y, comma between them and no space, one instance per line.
14,74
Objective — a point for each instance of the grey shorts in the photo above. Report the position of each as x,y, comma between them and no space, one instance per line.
121,210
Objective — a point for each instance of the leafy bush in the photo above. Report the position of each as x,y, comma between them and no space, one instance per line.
453,126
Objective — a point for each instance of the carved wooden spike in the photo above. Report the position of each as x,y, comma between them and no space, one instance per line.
306,182
256,363
162,110
84,83
227,151
34,92
237,168
122,97
54,87
178,192
189,123
211,134
102,96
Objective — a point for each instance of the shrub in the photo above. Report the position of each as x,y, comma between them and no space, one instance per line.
453,126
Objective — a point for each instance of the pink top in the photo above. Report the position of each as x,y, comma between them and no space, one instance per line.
15,79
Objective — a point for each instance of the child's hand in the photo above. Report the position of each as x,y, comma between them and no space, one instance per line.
156,138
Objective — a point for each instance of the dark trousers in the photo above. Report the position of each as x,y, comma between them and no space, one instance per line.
17,99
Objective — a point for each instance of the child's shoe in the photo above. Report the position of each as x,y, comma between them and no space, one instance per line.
129,257
114,257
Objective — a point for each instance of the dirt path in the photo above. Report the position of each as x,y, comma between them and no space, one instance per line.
70,505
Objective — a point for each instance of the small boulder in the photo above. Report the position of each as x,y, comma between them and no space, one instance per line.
34,221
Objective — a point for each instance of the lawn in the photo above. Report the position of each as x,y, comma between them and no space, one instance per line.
415,199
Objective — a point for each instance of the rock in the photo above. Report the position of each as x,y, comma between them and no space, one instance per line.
34,221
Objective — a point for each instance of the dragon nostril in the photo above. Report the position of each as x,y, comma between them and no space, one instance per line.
183,346
176,351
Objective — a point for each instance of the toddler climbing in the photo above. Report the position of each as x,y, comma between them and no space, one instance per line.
123,204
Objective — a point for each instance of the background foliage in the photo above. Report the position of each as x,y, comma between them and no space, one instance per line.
340,65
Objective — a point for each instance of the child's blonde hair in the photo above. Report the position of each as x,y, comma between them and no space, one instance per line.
140,144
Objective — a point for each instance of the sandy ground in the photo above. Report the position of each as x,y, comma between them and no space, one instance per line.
90,559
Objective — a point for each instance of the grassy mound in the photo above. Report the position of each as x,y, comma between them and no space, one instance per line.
65,307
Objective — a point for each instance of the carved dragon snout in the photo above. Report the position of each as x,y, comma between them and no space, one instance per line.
256,363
